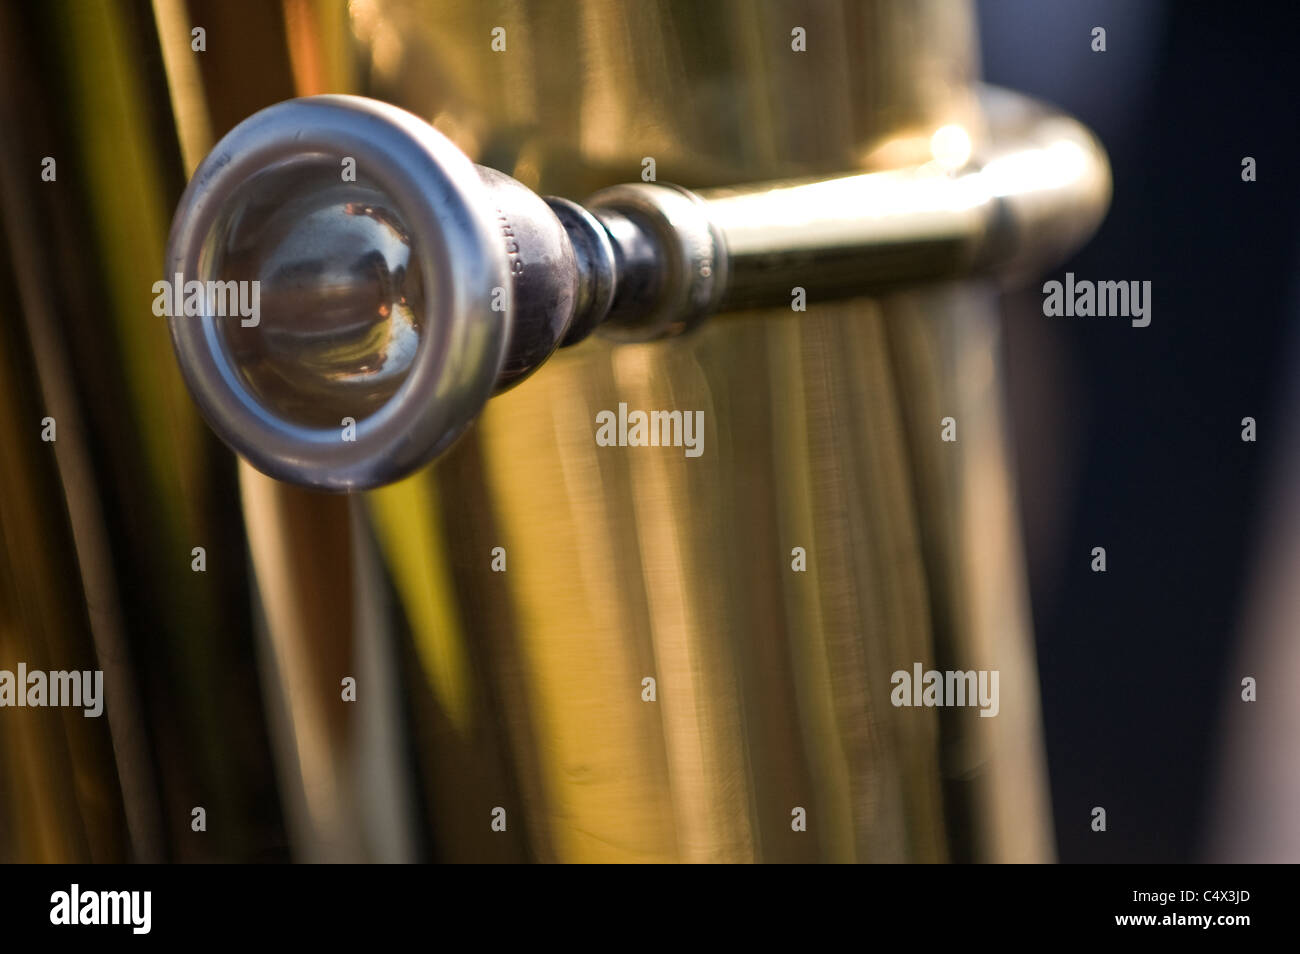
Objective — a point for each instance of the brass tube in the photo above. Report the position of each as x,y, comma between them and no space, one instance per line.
1036,191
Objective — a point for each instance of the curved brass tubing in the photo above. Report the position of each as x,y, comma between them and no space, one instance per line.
346,289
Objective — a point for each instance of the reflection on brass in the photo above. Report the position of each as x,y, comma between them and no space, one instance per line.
100,545
625,563
526,689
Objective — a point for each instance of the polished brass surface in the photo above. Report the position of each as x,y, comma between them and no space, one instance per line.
773,685
523,689
101,524
1026,197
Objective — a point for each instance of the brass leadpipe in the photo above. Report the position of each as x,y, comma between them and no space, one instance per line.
403,285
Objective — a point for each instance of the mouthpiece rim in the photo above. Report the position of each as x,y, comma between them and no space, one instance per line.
463,266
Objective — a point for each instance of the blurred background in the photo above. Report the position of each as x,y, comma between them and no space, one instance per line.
1130,438
522,691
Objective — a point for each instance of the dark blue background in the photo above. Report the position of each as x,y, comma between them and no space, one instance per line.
1129,438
